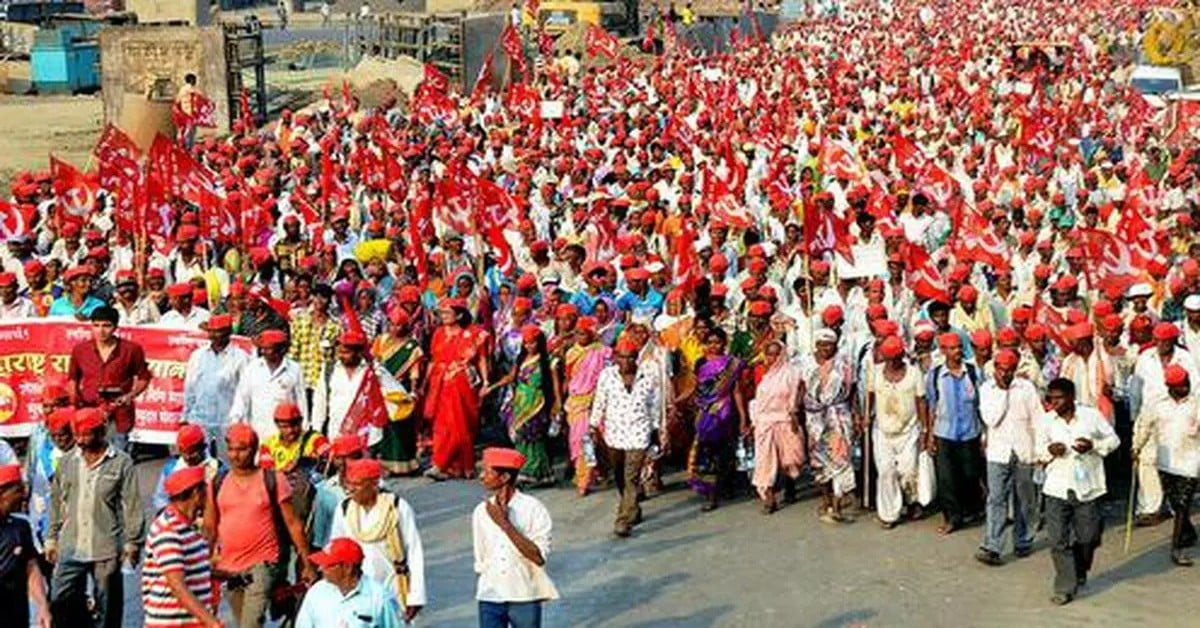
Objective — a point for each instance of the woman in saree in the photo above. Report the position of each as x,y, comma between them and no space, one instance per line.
458,365
828,390
775,420
720,418
533,406
584,361
399,353
479,302
608,326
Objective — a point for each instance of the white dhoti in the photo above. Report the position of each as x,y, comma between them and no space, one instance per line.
1149,489
896,462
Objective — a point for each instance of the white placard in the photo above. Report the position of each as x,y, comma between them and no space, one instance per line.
552,109
869,261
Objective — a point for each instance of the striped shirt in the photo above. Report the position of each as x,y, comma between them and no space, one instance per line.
174,545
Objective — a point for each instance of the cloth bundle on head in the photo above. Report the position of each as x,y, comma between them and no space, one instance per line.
503,458
825,335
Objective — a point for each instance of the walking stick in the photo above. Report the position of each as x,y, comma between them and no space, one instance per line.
866,454
1129,507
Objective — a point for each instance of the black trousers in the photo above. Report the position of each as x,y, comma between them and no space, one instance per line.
960,468
1074,529
1178,491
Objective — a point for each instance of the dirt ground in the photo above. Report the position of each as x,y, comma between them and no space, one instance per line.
33,127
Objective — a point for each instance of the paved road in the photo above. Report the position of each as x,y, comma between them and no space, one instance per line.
736,567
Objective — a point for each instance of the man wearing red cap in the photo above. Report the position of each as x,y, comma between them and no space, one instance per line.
255,530
1147,388
1173,425
329,493
212,372
1088,369
897,394
183,313
640,303
20,579
626,417
339,388
385,526
49,443
267,381
188,258
345,596
952,393
96,522
76,301
314,332
12,305
191,447
177,582
511,532
108,372
1072,441
970,314
1010,408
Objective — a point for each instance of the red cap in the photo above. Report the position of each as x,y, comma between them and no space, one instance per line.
760,308
59,419
287,411
271,337
218,322
586,323
353,339
182,480
503,458
884,327
1006,358
564,310
33,267
625,345
1175,375
188,437
8,279
876,311
1022,314
364,470
340,551
1035,332
1066,283
181,289
1112,322
637,274
1141,322
981,338
832,315
347,444
86,420
1165,331
187,232
718,263
409,294
968,294
892,347
10,474
949,339
1007,336
241,434
1078,331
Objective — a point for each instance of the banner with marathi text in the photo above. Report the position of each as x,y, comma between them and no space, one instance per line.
33,350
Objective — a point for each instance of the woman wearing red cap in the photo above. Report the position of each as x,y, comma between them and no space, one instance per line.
458,366
534,403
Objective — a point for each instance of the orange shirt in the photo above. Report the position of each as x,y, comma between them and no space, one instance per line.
245,531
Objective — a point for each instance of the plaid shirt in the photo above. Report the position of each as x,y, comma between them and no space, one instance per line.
312,347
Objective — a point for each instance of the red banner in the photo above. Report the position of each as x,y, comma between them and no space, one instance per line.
32,350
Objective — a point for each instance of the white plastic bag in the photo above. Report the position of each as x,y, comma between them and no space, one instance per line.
926,479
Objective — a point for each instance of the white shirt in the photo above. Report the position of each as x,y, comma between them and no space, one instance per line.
505,575
1174,426
376,564
1073,471
628,416
1149,373
260,389
209,383
1010,416
334,401
195,317
21,307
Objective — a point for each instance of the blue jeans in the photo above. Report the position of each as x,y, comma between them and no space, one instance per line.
1010,482
505,614
69,593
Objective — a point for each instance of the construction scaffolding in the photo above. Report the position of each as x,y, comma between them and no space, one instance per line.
455,43
244,52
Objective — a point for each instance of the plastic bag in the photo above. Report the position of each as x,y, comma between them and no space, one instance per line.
926,479
745,455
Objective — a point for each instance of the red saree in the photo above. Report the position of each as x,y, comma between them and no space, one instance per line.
452,400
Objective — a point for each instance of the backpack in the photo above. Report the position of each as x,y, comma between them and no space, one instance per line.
971,373
282,538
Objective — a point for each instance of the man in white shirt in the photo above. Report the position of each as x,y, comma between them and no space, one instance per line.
335,392
1009,407
1174,425
385,527
1072,441
625,413
12,306
212,372
267,381
511,533
134,309
183,313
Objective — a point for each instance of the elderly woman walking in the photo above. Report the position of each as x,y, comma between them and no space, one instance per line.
775,419
828,388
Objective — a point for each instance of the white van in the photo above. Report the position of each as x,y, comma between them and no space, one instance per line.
1154,81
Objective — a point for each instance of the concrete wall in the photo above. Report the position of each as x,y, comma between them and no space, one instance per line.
132,58
191,11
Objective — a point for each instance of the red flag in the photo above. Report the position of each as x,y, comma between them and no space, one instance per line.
435,80
723,205
204,111
118,161
1133,229
525,102
369,408
1187,122
456,192
687,264
545,44
1108,260
924,278
505,262
420,212
483,82
510,42
432,107
909,157
76,195
600,42
648,40
825,231
938,185
737,168
247,113
16,219
1037,136
837,158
